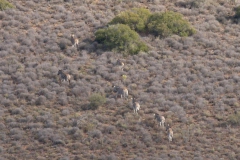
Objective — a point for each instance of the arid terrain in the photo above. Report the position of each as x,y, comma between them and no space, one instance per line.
194,82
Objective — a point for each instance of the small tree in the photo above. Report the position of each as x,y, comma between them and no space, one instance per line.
96,100
136,19
5,5
121,38
169,23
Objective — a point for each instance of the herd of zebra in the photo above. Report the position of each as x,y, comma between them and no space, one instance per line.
121,92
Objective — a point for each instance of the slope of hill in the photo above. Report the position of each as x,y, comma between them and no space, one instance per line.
192,81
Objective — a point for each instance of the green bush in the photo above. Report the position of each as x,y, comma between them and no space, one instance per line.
136,19
237,12
169,23
235,119
121,38
96,100
5,5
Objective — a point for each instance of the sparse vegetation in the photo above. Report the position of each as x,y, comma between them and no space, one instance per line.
4,4
121,38
192,81
191,3
169,23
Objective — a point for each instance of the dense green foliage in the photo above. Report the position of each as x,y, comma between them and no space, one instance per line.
97,100
163,24
5,5
136,18
121,38
235,119
237,12
168,23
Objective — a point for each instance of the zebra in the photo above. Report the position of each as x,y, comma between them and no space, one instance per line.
64,76
136,106
120,64
159,118
122,91
74,41
169,132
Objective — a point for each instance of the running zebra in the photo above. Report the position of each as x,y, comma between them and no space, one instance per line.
121,91
74,41
120,64
64,76
169,132
159,119
135,105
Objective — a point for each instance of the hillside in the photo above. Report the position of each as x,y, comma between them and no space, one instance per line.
192,81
